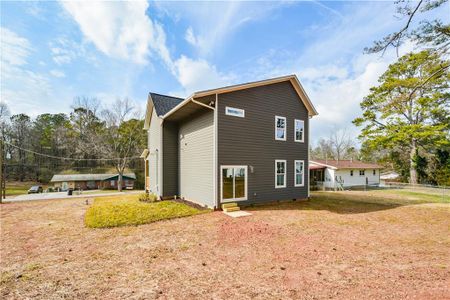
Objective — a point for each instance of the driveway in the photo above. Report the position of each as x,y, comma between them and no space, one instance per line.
63,195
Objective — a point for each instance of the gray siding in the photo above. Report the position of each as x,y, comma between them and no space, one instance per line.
154,160
196,144
170,159
251,140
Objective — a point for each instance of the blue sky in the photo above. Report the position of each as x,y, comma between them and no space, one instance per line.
55,51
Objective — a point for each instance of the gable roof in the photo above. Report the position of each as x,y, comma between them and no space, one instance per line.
292,78
164,103
87,177
345,164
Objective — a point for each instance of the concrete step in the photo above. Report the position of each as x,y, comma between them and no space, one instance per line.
230,209
228,205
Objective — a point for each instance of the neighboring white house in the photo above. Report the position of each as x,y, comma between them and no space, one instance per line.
334,174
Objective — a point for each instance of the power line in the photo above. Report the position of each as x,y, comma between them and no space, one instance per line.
70,158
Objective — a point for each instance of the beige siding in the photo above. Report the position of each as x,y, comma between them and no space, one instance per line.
196,144
154,158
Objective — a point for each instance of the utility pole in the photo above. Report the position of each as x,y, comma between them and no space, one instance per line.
2,190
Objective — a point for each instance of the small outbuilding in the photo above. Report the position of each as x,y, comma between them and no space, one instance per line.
342,174
64,182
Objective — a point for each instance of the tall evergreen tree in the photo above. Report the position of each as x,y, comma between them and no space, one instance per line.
409,110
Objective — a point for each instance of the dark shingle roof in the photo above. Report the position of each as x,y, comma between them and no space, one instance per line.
163,104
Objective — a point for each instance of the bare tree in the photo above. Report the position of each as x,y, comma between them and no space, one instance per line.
121,138
86,125
4,112
341,144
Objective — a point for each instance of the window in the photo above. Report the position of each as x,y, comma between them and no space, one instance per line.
113,182
299,171
351,172
362,172
280,173
235,112
299,129
280,128
374,172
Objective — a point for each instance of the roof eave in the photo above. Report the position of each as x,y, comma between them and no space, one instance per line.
148,112
325,165
180,105
292,78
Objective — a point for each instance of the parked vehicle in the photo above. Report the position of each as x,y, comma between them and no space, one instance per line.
35,189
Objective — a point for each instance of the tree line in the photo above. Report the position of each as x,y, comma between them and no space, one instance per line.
89,139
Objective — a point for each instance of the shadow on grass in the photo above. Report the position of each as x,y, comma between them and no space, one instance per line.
341,203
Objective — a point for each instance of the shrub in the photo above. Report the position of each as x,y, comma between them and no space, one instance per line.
144,197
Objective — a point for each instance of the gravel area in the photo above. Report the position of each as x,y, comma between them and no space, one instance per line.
296,250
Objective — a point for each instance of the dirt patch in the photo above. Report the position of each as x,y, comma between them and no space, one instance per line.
191,204
312,250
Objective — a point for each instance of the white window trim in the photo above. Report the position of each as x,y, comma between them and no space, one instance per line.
221,183
364,171
285,173
295,173
234,115
285,128
295,131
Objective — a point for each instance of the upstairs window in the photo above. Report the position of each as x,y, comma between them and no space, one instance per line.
280,173
374,172
299,130
235,112
351,172
299,171
280,128
362,172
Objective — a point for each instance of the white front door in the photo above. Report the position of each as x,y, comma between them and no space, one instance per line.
234,182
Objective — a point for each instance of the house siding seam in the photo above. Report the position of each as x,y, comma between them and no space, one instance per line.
251,140
170,158
154,143
196,149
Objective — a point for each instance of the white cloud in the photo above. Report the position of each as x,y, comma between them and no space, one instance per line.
214,22
195,75
57,73
14,48
120,29
125,31
21,88
192,39
62,56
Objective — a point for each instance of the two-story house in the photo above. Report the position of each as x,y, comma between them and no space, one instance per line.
246,142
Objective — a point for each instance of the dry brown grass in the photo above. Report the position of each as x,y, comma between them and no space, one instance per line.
326,248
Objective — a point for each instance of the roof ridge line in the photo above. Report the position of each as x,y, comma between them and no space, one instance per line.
166,95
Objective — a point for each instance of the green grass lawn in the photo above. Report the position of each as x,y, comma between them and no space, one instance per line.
15,192
126,210
90,192
375,200
418,195
19,188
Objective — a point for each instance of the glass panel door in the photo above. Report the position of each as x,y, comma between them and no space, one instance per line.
227,183
234,182
239,182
